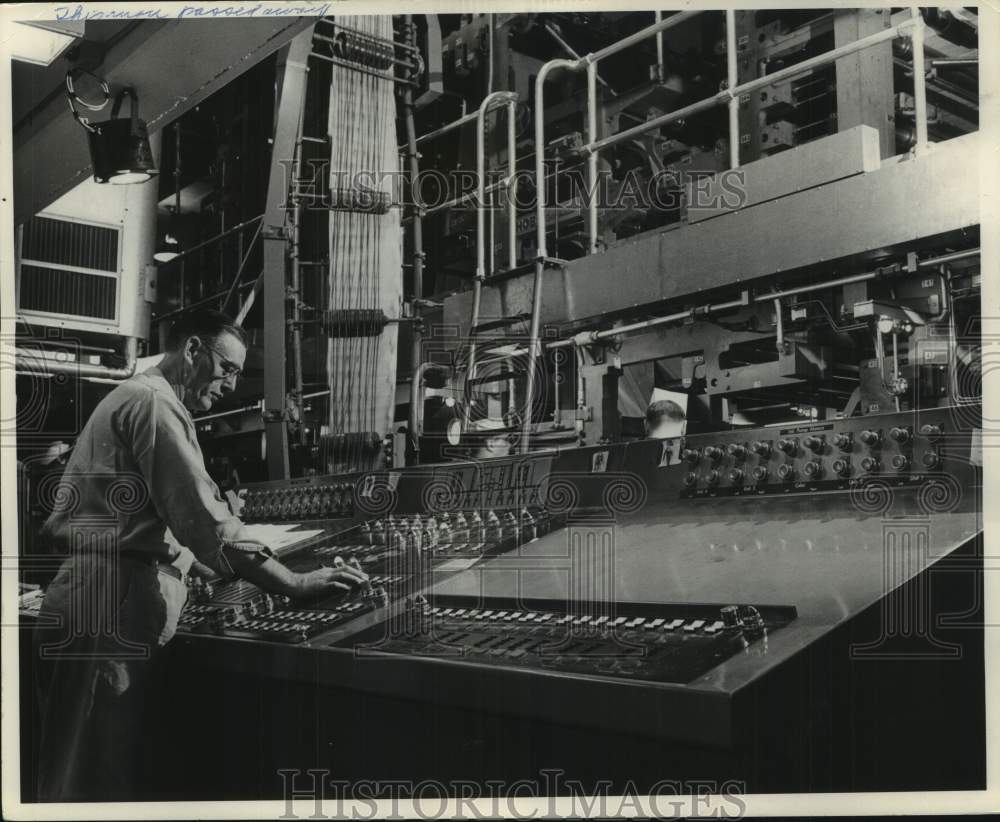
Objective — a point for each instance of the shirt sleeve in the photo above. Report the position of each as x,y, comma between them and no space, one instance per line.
166,450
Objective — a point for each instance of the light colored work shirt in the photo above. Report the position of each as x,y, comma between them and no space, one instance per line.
137,470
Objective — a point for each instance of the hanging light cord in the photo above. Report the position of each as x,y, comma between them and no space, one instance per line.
74,99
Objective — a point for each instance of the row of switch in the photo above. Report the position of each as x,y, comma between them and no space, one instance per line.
814,469
310,502
536,618
816,444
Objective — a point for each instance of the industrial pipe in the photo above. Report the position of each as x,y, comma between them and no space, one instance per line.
477,286
541,252
753,85
511,185
488,102
592,157
589,337
732,80
642,34
919,80
415,420
33,364
417,401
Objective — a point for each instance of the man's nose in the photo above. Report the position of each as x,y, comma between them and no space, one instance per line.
228,384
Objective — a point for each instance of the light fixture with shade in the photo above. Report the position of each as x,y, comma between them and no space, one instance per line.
119,148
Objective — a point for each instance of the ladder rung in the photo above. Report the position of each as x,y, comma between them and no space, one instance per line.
502,322
513,375
499,355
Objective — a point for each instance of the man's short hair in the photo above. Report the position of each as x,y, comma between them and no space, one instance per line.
206,323
662,410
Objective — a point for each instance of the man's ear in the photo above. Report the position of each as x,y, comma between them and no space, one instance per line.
192,347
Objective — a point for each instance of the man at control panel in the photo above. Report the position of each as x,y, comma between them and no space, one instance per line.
137,470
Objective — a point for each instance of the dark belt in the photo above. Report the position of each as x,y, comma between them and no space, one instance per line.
154,562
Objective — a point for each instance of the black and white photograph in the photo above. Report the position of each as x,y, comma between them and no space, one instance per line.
528,410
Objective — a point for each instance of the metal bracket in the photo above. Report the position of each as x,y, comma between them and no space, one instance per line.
275,415
275,232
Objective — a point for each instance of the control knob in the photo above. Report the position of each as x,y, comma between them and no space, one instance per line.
786,472
871,464
760,473
844,441
691,455
788,446
736,476
762,449
932,432
900,462
730,616
931,459
737,452
814,444
871,438
842,467
813,469
712,453
712,478
900,435
691,478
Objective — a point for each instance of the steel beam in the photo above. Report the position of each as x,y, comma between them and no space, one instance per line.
291,84
902,202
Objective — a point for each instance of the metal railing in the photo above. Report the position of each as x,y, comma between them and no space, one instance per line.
729,96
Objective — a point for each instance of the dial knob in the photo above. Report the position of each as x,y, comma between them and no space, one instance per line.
691,455
736,476
730,616
873,439
786,472
900,435
814,444
712,478
931,459
813,469
737,452
900,462
842,468
871,464
712,453
932,432
788,446
691,478
843,441
762,449
760,473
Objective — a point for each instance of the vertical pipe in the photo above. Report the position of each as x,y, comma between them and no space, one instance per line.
658,18
477,292
477,286
511,185
919,80
481,188
542,252
415,422
296,277
732,81
592,156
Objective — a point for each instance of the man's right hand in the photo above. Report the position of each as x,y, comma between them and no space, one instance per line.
328,580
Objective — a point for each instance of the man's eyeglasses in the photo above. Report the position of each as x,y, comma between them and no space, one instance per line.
230,370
